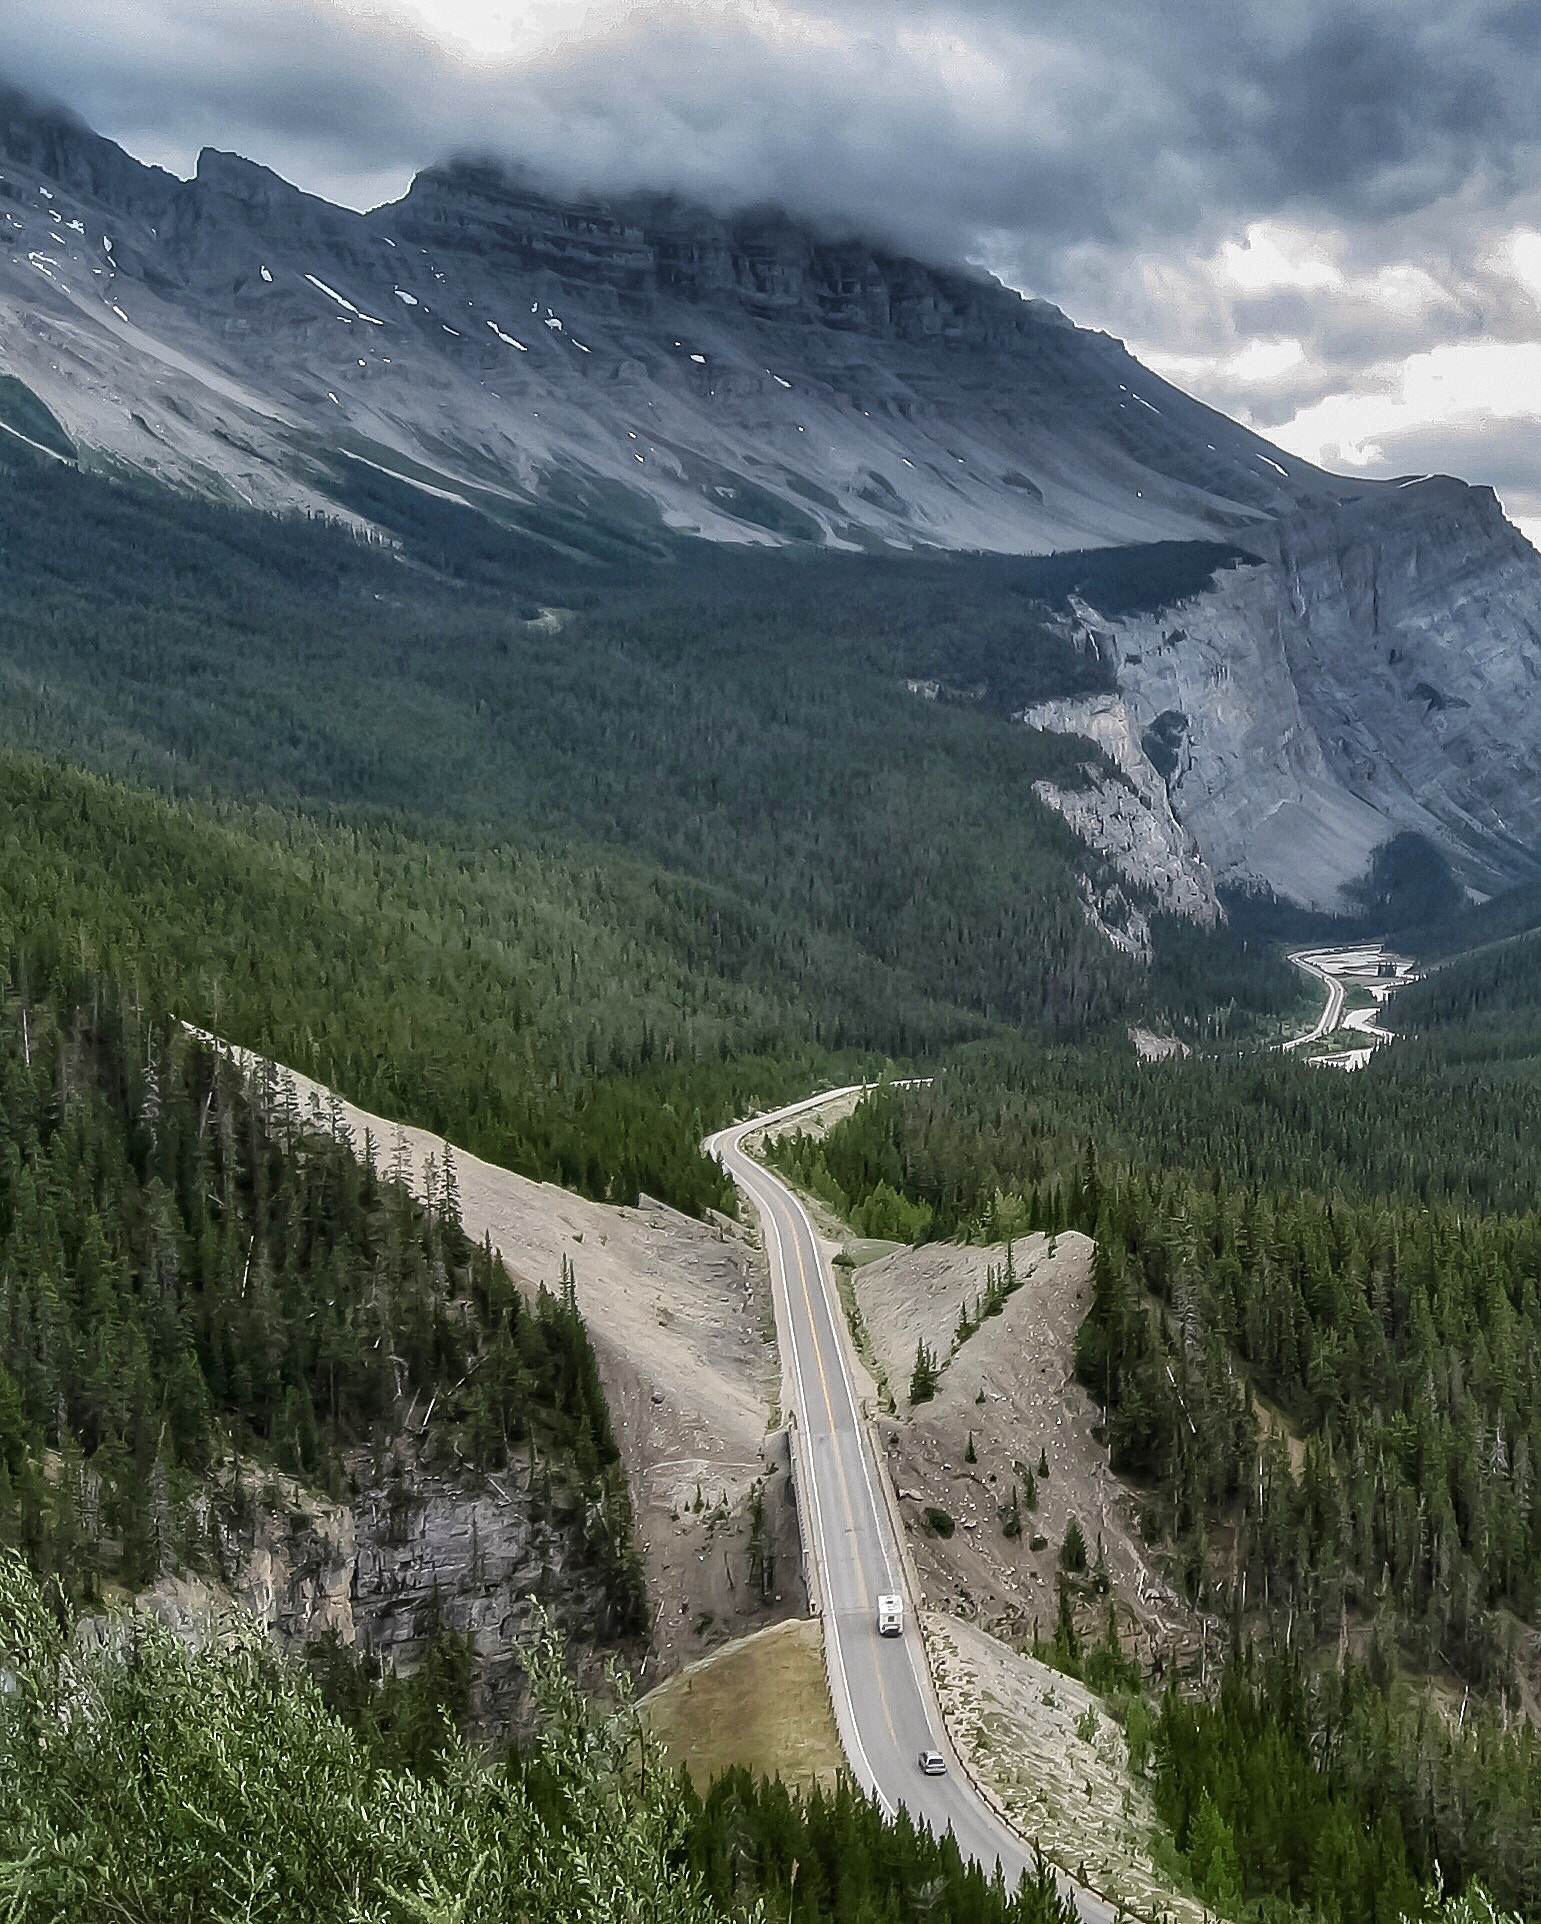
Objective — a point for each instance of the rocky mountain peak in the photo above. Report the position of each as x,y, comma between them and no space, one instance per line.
1402,516
616,373
666,367
761,263
58,146
243,180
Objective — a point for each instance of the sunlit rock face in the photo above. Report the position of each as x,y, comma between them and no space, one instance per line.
1378,670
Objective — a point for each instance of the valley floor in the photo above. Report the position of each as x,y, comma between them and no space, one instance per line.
1359,981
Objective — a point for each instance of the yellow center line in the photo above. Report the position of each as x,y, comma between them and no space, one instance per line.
845,1488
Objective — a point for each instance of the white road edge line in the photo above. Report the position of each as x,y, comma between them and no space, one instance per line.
765,1209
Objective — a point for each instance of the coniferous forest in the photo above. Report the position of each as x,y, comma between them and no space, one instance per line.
655,839
570,856
1315,1335
193,1272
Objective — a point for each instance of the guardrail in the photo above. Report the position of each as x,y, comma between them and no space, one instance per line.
800,1503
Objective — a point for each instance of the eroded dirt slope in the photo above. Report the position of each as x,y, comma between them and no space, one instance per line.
680,1317
1055,1763
1010,1387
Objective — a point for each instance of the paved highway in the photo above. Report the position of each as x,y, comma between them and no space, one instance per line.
884,1701
1332,1014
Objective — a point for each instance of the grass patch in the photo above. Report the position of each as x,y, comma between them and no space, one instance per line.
761,1703
861,1250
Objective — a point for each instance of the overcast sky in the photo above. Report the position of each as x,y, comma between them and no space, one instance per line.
1323,216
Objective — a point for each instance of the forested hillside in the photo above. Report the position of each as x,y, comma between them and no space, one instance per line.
693,795
193,1275
1005,1131
1397,1331
196,1277
1363,1253
569,856
543,1009
1481,1007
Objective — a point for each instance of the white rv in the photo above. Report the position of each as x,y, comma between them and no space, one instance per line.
890,1616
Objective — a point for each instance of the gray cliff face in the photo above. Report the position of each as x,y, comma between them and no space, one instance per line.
417,1549
1379,669
1127,814
634,253
743,378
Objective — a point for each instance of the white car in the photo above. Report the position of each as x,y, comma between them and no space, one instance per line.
933,1763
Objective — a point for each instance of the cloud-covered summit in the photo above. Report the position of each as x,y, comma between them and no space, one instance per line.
947,121
1290,206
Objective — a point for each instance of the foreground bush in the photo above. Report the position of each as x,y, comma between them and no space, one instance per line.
142,1780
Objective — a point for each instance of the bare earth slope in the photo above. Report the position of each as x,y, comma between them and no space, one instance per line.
1010,1387
1050,1757
679,1317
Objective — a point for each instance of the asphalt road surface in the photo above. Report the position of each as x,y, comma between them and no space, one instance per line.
885,1705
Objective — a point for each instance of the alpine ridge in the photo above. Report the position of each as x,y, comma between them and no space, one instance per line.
645,363
611,378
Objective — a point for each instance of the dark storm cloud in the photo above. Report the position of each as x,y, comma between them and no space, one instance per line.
953,125
295,83
1097,152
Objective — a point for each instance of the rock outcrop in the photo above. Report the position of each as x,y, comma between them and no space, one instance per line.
1377,670
641,365
417,1549
1127,815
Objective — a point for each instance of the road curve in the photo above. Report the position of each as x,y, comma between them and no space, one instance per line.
1332,1013
884,1700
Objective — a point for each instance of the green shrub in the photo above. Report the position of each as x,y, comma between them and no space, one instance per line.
923,1377
144,1779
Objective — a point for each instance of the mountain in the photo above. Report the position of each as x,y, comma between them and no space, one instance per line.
610,378
1376,669
646,361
